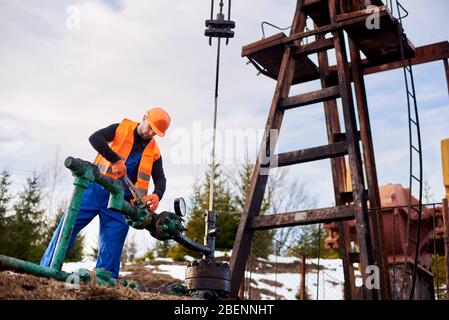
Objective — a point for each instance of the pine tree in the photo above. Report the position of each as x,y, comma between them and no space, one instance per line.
262,240
5,198
224,205
129,251
161,248
27,223
311,243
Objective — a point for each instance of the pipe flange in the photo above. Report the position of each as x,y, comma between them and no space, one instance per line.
208,279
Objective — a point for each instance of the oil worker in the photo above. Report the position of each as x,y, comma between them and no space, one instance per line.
126,148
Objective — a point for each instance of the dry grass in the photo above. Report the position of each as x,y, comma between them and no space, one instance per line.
14,286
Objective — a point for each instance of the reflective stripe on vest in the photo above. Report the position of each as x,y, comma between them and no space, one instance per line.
122,146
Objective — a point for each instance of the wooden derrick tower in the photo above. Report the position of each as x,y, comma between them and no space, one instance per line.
287,60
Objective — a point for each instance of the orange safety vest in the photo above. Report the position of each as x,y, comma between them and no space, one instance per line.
122,146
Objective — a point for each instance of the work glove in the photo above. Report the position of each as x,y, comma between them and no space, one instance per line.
119,168
152,201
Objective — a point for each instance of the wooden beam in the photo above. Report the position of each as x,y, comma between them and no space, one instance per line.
338,176
325,94
377,229
446,67
307,3
424,54
355,159
314,47
274,40
281,38
305,217
313,154
244,236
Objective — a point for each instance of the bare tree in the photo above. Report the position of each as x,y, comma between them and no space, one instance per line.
427,192
283,193
129,251
52,179
287,194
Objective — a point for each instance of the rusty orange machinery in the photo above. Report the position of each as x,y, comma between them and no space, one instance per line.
445,164
394,199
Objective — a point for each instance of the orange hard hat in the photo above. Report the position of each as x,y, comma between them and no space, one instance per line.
159,120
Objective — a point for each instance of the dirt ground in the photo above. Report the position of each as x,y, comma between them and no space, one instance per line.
153,283
152,286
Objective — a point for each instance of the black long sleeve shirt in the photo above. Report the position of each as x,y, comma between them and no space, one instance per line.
99,141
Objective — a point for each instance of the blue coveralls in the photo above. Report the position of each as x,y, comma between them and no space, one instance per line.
113,226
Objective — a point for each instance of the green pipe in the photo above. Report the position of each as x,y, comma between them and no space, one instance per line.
163,226
9,263
82,168
81,183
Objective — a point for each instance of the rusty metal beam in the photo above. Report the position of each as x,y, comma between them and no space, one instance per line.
446,240
300,218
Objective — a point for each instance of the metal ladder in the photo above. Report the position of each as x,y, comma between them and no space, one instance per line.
415,149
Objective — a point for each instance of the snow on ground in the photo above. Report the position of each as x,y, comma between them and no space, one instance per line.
288,289
331,279
189,258
163,259
219,254
285,285
326,285
75,266
278,259
175,271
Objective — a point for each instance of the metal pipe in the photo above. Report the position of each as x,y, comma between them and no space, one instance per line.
212,9
436,256
117,202
190,244
210,233
81,184
81,168
9,263
212,174
446,241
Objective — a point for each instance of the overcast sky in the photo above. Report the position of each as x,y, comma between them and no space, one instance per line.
61,81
